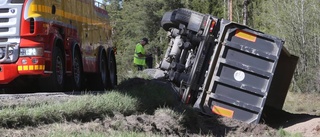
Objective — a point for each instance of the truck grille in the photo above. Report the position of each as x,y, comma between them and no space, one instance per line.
5,10
10,16
3,20
4,29
10,20
17,1
3,39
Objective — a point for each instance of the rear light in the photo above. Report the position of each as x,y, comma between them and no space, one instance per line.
17,1
213,23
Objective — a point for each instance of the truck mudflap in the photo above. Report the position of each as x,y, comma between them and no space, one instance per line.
248,70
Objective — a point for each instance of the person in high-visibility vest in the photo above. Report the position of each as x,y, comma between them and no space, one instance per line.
140,54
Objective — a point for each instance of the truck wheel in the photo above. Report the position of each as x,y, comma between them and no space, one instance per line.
99,80
173,19
112,70
103,78
166,22
183,15
57,78
77,71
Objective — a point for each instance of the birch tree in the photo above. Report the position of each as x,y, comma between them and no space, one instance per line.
297,22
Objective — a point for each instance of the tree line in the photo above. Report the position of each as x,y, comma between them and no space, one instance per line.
295,21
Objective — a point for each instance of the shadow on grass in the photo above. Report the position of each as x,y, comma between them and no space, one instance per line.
151,95
276,118
157,93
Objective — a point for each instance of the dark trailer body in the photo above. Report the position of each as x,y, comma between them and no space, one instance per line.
221,67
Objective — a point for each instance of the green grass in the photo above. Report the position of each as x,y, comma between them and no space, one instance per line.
283,133
135,95
90,129
66,133
99,134
76,134
302,103
137,98
150,94
34,101
84,109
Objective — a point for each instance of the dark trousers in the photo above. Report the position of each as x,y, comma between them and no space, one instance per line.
140,67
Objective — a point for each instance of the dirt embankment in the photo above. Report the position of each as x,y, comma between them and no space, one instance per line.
168,123
272,120
307,125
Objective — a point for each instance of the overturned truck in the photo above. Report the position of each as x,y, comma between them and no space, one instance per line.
221,67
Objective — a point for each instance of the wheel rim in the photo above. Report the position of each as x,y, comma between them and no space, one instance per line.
59,70
186,96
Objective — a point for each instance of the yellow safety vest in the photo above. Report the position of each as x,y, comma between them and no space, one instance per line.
139,60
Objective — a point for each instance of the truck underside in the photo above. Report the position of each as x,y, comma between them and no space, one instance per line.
221,67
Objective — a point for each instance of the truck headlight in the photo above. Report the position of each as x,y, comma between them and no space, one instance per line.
10,50
1,53
38,51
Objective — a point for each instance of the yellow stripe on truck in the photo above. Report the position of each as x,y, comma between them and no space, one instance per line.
61,13
19,68
31,67
245,35
222,111
25,68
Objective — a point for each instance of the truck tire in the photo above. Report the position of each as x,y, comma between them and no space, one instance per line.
112,70
98,81
183,16
103,71
77,71
57,78
176,17
166,22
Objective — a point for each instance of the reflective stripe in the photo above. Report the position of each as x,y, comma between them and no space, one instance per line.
136,56
140,57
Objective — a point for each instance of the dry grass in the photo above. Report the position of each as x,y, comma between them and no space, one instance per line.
68,117
302,103
84,109
70,129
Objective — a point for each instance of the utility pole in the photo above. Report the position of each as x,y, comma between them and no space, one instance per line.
230,9
224,9
245,11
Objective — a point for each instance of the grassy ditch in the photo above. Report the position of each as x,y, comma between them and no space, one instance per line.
302,103
138,107
53,118
87,108
128,100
